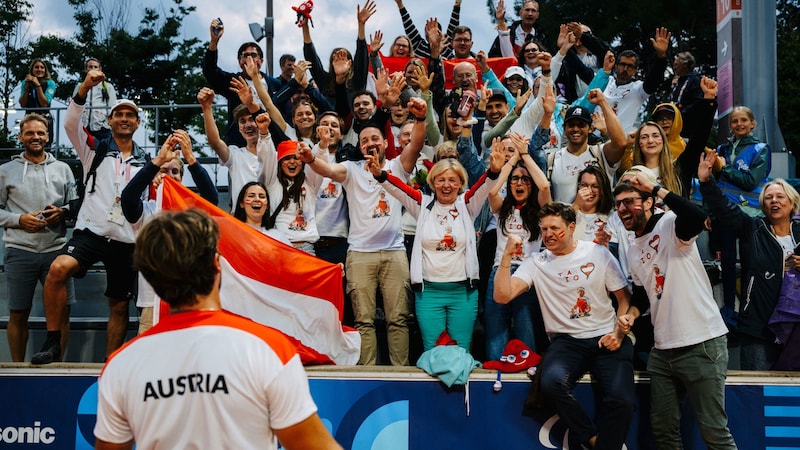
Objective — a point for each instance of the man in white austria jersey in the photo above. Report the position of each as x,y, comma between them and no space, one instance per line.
572,280
376,257
202,377
690,356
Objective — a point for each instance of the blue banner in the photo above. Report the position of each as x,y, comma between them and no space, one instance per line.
59,412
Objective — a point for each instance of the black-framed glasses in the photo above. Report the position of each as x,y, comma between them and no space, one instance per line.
251,54
628,202
524,179
531,50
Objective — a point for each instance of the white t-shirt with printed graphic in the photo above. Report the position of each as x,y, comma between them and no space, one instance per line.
566,167
682,305
514,226
573,289
444,243
375,216
332,220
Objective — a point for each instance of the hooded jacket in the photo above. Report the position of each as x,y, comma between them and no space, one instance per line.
26,187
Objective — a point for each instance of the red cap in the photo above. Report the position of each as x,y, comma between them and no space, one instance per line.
286,148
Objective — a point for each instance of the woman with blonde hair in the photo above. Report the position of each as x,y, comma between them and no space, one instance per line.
651,145
768,242
444,261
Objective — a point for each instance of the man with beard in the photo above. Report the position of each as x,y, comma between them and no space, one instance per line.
564,164
101,231
376,256
572,280
690,356
627,95
34,190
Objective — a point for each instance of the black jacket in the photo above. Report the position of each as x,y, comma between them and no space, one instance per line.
761,285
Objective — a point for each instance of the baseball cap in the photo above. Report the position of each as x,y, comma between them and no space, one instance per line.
124,103
514,70
580,113
664,108
498,94
640,170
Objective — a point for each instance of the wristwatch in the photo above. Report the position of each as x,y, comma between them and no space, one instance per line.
655,190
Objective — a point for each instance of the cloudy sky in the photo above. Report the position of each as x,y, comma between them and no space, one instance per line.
334,21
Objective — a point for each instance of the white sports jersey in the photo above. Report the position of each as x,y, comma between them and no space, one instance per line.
682,305
202,379
375,216
573,289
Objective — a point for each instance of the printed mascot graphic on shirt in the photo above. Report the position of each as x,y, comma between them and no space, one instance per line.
659,281
582,306
382,209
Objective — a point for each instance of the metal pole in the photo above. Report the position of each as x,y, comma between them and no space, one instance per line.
269,34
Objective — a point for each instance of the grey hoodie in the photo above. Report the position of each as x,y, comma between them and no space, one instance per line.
26,187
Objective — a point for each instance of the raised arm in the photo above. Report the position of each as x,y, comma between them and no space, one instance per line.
656,74
252,71
206,98
615,147
521,144
495,199
335,171
408,158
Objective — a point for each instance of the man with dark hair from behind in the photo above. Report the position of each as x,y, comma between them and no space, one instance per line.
237,384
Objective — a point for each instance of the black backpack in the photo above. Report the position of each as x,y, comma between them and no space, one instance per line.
100,152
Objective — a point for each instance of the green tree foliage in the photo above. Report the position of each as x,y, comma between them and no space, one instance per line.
13,14
154,65
788,40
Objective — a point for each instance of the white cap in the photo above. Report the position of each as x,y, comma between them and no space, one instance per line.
514,70
125,102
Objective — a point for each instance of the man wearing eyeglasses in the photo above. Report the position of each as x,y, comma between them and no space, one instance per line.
690,355
462,43
627,95
521,31
220,80
572,280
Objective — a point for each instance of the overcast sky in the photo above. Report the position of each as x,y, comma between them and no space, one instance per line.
334,22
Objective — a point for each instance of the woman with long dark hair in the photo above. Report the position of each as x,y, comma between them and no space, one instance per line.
522,189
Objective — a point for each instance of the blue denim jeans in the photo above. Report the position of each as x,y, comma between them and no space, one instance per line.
697,372
499,318
564,364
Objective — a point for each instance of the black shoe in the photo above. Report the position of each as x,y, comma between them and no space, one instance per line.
51,351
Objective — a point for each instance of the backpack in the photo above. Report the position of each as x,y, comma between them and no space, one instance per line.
593,150
100,148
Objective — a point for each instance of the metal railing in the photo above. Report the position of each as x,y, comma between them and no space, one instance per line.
59,141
